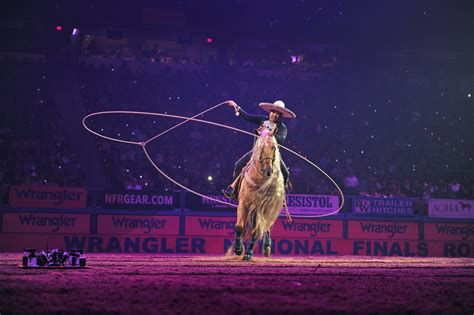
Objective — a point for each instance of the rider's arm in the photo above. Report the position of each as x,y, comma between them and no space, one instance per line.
252,118
281,132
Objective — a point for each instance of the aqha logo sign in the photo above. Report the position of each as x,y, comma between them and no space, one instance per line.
450,208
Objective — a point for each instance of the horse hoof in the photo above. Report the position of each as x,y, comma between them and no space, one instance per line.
247,257
238,246
238,251
267,251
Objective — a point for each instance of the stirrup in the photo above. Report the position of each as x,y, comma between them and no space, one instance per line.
229,193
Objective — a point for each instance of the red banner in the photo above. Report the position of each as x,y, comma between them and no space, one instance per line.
33,222
138,225
218,245
383,230
209,226
224,226
48,197
449,231
304,228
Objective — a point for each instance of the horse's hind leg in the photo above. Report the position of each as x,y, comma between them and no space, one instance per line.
238,244
267,244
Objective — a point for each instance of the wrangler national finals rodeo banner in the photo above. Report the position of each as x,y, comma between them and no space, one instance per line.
201,231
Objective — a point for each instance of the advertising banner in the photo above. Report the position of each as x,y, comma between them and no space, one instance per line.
451,208
138,244
449,231
383,230
14,242
25,222
209,226
410,248
218,245
308,228
197,203
137,225
382,206
137,199
47,197
224,226
297,204
311,204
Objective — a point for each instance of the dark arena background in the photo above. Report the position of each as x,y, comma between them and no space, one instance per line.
382,92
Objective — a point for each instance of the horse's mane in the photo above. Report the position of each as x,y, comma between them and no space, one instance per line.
261,141
267,197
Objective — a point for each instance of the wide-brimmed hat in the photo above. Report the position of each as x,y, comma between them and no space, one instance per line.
278,106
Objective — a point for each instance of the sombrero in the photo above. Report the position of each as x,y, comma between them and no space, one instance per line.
278,106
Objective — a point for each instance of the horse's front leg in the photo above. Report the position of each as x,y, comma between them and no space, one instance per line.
239,231
250,250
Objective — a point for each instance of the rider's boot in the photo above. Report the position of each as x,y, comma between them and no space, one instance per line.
231,192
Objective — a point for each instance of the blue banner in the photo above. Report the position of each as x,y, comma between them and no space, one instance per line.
382,206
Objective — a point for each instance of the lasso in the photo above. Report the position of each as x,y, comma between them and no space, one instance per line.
194,118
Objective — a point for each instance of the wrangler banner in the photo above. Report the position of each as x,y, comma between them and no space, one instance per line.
449,231
451,208
47,197
382,206
383,230
218,245
137,225
224,226
34,222
137,199
308,228
209,226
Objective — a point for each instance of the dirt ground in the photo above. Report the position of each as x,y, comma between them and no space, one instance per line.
178,284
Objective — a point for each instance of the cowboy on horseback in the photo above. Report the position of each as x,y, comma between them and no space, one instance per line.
273,123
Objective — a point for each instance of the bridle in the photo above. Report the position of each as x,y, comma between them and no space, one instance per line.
261,159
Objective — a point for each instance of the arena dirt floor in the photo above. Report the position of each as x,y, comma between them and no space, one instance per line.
156,284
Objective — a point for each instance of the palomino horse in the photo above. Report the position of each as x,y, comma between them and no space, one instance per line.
261,196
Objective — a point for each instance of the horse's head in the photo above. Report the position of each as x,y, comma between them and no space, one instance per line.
265,153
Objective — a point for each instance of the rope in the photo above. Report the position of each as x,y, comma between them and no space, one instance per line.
194,118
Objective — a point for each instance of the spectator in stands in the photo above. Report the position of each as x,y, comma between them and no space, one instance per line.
351,183
134,185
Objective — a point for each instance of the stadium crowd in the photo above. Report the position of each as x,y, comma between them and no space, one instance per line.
34,147
378,128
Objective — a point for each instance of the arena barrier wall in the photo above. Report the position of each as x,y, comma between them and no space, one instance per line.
193,231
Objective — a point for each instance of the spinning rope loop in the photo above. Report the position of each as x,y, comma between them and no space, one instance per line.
143,144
